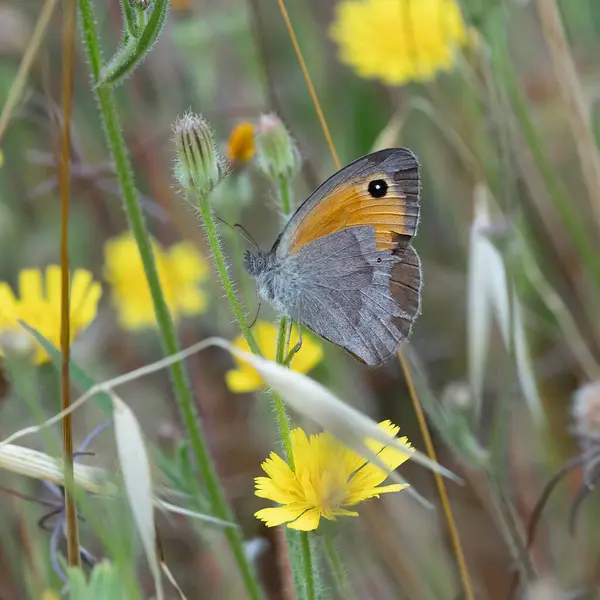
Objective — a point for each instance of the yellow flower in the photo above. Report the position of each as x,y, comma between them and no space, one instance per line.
50,595
399,40
328,478
247,379
241,142
40,308
180,270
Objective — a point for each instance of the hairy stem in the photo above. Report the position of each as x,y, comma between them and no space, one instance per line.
187,408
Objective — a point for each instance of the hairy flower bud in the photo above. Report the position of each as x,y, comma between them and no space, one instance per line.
198,166
276,151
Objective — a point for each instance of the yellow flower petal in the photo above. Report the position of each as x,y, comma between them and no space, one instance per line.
53,284
242,380
30,284
276,516
307,521
87,310
80,283
42,311
193,301
180,270
190,265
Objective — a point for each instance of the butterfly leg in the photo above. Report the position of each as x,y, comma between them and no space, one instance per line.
296,347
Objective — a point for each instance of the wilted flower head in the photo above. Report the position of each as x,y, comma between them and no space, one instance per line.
276,151
399,40
586,410
241,145
198,166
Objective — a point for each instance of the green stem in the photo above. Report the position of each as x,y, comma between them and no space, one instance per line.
309,581
337,568
283,421
221,265
285,198
300,554
166,329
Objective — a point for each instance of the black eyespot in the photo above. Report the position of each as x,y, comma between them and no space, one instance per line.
378,188
379,259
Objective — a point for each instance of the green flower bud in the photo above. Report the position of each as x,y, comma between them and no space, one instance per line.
198,166
276,151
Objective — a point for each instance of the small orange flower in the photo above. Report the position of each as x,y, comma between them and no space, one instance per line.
241,142
180,4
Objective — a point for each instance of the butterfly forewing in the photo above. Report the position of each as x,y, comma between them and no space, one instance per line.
379,190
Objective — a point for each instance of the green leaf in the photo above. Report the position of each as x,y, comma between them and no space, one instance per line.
131,54
78,376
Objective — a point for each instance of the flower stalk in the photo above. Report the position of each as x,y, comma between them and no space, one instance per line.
299,543
118,149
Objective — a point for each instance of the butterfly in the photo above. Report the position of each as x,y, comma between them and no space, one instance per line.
344,265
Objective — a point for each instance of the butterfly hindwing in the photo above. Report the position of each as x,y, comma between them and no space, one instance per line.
357,296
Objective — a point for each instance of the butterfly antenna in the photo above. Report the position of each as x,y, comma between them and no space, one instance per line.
246,235
244,231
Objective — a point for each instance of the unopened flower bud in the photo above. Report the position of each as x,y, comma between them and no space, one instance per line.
276,151
198,167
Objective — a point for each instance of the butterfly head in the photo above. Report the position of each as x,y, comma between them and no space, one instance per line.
256,263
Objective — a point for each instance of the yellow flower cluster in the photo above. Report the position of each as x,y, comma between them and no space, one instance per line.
181,270
398,41
327,478
38,305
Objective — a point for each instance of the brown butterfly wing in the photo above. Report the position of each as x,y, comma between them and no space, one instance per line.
345,201
357,296
405,285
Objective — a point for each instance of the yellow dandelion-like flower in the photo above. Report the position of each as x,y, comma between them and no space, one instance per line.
328,478
181,270
241,142
399,40
39,306
246,379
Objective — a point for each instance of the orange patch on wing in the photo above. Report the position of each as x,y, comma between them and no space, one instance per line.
352,206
